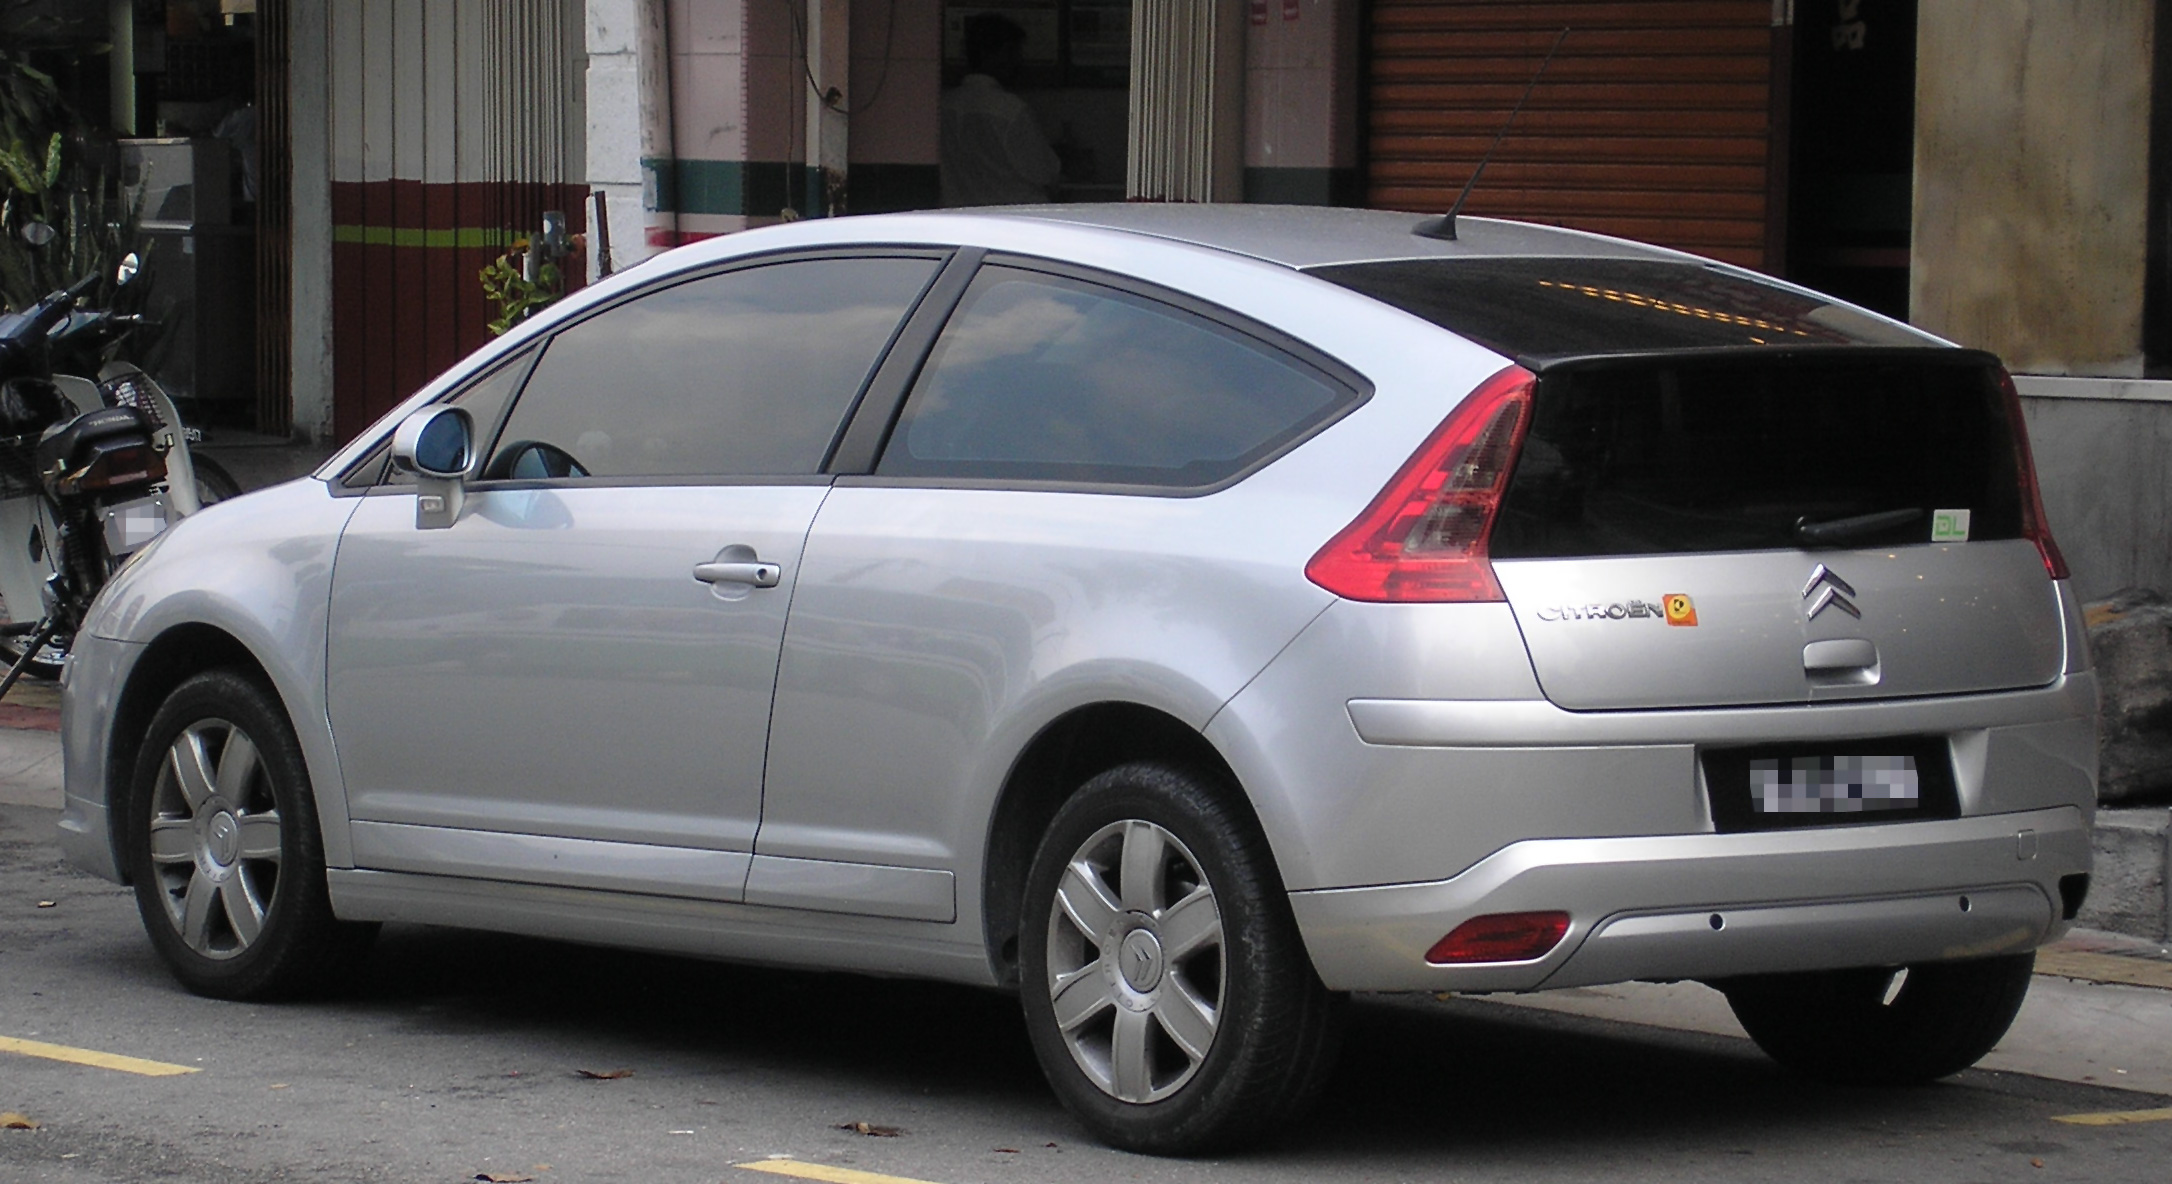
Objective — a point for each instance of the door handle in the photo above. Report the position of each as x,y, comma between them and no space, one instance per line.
756,574
1852,653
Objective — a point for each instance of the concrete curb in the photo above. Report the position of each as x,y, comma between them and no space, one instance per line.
2131,889
2130,892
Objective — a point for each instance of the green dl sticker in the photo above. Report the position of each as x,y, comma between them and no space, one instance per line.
1949,526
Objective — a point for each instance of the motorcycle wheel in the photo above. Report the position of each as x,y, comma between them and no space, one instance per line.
213,482
47,664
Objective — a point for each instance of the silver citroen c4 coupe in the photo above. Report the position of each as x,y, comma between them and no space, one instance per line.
1182,616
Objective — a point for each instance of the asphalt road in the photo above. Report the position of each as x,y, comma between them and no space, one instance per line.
460,1055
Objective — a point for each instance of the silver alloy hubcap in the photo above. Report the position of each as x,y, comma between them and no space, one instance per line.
215,838
1135,961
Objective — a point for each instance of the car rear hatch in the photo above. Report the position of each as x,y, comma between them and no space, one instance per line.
1686,531
1726,492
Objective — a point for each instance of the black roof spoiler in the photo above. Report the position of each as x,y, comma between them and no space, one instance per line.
1937,355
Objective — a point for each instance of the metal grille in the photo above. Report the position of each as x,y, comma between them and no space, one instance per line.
1651,123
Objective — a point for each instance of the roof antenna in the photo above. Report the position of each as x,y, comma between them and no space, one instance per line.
1444,227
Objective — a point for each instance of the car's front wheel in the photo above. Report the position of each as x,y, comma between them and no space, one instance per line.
1885,1025
1167,993
224,850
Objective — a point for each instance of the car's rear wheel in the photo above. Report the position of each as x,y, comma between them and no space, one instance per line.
1166,990
1884,1025
224,850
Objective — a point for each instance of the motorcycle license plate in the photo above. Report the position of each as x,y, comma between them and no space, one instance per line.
132,524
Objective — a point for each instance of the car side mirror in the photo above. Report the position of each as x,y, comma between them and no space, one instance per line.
437,445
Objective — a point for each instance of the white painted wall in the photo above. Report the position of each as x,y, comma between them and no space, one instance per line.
613,86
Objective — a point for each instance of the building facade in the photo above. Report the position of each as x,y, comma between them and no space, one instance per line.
1991,170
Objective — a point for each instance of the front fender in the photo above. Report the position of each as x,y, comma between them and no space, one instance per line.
259,569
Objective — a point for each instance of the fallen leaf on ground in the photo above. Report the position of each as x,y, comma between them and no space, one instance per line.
2036,1163
498,1178
871,1130
11,1121
46,904
1007,1150
604,1075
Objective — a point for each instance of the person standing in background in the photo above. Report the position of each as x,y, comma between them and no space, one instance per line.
993,150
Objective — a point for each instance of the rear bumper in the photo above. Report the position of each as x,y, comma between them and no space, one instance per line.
1644,907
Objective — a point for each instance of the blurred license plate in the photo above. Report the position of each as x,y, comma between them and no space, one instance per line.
1897,779
1849,784
132,524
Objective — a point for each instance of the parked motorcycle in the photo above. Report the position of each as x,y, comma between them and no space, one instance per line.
90,471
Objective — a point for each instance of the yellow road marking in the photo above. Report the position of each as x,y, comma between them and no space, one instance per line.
96,1060
823,1171
2117,1117
2105,968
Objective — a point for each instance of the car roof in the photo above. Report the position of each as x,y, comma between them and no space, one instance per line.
1314,236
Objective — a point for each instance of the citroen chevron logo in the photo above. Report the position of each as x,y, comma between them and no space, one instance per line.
1835,594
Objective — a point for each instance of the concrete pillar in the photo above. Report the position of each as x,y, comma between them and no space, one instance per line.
897,79
829,60
1301,102
2032,180
309,119
614,126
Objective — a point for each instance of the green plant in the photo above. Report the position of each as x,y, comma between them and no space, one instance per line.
49,173
506,283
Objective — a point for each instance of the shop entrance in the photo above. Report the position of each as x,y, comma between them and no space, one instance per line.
1069,62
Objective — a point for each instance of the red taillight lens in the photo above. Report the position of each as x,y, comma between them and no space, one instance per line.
1424,537
2033,525
1500,937
113,467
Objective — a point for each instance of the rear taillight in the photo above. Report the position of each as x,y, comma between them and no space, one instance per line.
2034,527
113,466
1500,937
1424,538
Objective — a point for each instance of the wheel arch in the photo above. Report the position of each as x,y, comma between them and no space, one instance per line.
1061,757
172,658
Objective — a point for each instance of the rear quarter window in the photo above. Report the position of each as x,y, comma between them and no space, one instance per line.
1046,378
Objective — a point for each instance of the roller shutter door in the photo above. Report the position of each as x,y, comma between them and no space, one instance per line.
1652,122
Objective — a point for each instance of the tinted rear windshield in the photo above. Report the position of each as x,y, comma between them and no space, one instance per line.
1653,456
1539,308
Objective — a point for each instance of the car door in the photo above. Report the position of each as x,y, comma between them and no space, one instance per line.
1036,518
571,685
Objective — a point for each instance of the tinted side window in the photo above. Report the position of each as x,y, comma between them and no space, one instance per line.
485,399
748,373
1038,377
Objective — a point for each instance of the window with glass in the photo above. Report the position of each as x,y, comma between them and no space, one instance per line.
1040,377
746,373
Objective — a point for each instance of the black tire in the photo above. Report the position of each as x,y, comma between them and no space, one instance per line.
47,665
51,657
213,483
234,896
1853,1027
1274,1029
